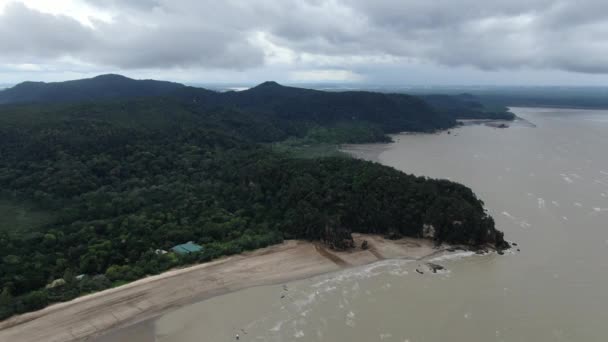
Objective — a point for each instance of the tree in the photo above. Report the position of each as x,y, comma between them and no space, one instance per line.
35,300
5,297
68,276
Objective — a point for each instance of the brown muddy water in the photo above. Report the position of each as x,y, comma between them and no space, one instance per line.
547,188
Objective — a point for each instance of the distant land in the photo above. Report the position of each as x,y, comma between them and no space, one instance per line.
533,96
491,96
116,172
111,86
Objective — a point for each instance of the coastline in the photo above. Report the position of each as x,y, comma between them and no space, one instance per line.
99,313
367,152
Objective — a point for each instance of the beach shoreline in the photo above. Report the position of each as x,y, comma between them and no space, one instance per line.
96,314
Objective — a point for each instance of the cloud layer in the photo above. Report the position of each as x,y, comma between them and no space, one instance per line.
340,36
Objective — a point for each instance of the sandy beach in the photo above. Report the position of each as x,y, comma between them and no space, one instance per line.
93,315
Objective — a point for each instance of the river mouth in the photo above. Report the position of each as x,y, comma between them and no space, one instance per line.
546,185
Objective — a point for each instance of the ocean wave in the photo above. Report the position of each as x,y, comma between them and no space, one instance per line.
453,256
566,178
277,327
363,272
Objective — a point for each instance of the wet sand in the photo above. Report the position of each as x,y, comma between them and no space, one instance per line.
93,315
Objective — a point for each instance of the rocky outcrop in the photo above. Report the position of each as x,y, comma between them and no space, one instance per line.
429,267
56,283
429,231
338,237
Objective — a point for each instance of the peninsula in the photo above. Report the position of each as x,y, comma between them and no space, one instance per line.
128,170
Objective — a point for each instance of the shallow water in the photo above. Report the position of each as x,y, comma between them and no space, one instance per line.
546,187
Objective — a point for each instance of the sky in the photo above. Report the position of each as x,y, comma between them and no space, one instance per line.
400,42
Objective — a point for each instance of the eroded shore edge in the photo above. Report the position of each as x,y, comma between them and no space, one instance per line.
99,313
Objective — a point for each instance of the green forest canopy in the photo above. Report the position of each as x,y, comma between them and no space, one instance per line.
127,177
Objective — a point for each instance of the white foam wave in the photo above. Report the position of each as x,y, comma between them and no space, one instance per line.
301,303
385,336
453,256
398,273
278,326
350,319
508,215
364,272
330,289
522,223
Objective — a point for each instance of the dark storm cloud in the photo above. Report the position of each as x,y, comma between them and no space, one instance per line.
489,35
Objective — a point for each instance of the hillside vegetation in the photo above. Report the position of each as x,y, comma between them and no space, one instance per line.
128,177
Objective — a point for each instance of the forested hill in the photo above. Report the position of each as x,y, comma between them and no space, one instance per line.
387,112
321,106
122,179
390,112
102,87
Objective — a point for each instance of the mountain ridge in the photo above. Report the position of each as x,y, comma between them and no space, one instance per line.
287,101
101,87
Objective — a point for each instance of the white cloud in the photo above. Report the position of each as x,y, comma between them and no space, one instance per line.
78,10
274,54
25,67
302,39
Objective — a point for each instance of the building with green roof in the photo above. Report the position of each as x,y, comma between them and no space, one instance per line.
187,248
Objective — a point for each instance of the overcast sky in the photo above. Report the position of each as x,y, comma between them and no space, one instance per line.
420,42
